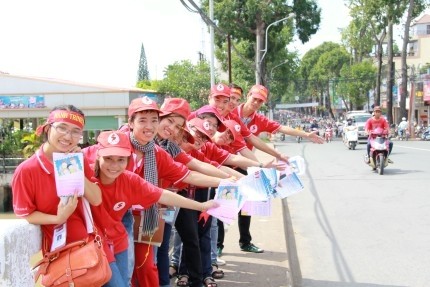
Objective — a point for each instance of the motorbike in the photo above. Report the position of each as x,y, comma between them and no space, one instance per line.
404,135
299,139
328,134
379,148
425,136
350,138
282,137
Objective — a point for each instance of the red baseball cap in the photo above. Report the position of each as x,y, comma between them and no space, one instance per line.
220,90
200,125
259,92
211,110
234,128
113,143
142,104
177,106
235,91
189,136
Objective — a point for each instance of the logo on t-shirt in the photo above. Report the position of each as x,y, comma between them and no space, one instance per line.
253,128
119,205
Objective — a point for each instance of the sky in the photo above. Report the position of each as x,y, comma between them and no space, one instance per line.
99,41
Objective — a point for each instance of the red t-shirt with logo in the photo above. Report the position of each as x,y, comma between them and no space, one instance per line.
257,123
127,190
33,189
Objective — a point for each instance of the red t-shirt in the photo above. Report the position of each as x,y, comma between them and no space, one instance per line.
373,123
214,153
127,190
33,189
257,123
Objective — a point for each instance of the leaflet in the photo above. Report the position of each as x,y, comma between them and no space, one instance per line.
69,174
230,199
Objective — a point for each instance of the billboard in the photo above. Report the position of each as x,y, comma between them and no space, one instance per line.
22,102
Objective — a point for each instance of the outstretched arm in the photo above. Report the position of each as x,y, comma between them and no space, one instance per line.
312,136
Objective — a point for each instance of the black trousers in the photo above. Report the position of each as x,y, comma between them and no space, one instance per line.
195,260
244,223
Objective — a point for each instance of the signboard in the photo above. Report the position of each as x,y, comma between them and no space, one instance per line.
426,90
22,102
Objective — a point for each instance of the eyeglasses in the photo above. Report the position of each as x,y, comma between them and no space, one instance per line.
198,135
214,126
64,131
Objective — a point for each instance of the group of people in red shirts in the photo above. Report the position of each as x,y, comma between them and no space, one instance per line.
166,155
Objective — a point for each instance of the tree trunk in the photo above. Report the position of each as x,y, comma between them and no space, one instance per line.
379,53
390,72
404,84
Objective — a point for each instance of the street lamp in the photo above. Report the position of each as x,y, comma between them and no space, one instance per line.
267,33
258,60
270,96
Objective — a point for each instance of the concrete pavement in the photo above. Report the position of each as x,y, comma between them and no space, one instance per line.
271,268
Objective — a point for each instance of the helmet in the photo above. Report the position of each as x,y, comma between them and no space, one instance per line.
403,119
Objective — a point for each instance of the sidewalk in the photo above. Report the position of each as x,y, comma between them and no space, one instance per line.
270,268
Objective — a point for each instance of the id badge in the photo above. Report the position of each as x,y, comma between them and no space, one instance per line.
60,235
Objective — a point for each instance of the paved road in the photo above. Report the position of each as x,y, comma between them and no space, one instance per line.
355,228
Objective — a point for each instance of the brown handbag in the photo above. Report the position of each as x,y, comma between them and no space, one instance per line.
80,263
77,264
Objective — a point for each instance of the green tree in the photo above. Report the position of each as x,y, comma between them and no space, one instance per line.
143,72
310,84
248,20
31,143
355,82
415,7
188,81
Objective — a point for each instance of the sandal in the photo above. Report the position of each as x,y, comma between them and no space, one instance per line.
216,273
182,281
173,271
209,282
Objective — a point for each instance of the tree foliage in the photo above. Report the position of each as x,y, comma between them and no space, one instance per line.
246,21
143,72
187,81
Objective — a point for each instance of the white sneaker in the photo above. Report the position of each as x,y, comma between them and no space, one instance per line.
220,262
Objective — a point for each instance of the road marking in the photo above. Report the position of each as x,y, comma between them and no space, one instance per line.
423,149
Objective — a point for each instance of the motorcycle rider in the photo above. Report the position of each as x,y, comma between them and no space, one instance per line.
349,126
314,127
402,127
377,121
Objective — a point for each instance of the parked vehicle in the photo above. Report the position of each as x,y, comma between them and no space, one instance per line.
425,136
350,138
379,148
299,139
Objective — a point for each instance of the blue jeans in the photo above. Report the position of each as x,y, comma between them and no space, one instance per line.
214,240
177,249
128,222
163,257
119,271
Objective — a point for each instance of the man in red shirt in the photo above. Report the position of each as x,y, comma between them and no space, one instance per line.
258,123
377,121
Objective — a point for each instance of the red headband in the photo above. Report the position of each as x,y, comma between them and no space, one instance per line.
62,116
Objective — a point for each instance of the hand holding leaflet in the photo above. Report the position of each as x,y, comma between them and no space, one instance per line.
230,200
289,182
69,174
